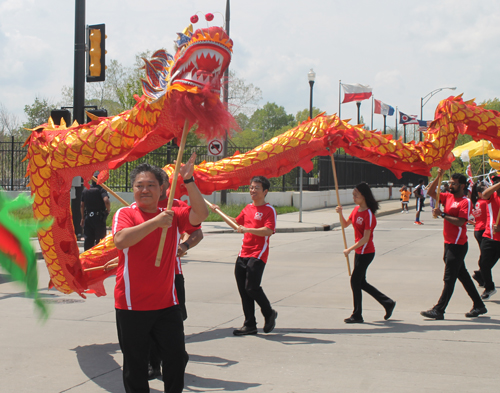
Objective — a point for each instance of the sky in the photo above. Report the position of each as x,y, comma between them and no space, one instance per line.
403,50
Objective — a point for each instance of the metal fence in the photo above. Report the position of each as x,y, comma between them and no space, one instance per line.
12,169
350,170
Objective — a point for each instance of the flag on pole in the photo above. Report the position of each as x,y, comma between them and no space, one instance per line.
383,109
407,119
423,125
356,92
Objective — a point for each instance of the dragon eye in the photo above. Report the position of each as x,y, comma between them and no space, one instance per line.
194,19
209,17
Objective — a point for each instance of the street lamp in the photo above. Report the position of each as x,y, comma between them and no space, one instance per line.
422,103
311,75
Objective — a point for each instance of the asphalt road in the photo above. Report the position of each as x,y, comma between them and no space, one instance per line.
311,348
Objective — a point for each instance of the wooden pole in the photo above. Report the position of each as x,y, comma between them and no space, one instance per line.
438,192
112,264
224,216
172,190
340,214
111,192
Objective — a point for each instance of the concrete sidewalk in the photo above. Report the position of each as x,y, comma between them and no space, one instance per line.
310,350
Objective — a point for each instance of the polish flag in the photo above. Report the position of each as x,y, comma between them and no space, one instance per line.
383,109
356,92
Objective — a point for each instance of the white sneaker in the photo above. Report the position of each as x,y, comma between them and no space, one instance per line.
407,212
402,211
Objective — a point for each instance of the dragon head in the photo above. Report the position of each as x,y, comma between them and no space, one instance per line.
200,61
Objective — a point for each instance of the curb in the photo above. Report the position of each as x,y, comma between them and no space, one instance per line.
321,228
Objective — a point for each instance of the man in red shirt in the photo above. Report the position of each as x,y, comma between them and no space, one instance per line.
146,301
455,215
258,222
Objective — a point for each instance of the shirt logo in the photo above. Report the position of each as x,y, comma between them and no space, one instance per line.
454,204
258,216
359,220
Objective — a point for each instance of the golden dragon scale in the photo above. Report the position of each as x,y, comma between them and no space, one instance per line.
185,86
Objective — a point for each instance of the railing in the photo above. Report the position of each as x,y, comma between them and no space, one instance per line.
350,170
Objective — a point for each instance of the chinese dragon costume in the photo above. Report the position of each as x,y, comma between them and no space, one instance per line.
187,86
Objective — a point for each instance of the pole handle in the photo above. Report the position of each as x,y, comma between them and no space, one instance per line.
340,214
170,202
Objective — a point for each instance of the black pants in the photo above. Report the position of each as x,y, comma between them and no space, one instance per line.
490,253
94,230
454,259
478,235
359,283
154,354
134,330
248,273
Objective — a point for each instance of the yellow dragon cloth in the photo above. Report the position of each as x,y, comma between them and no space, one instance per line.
188,86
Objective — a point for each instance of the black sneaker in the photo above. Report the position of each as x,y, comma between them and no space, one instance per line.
153,372
475,312
245,331
353,320
488,293
432,314
389,310
478,277
270,322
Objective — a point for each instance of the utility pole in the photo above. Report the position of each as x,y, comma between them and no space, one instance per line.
225,98
79,76
78,101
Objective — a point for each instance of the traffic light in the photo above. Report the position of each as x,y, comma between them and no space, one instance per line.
97,112
58,114
96,57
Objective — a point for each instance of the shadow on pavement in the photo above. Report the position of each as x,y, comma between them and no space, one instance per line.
280,335
96,361
194,383
98,364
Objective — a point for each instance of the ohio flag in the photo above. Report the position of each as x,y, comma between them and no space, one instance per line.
407,119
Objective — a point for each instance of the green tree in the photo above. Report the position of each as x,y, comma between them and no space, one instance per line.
38,112
269,119
303,115
492,104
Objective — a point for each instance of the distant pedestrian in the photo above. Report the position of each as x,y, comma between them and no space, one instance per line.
419,197
94,208
405,198
455,215
364,222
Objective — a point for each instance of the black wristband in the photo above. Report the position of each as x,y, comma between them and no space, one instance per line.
186,244
443,215
190,180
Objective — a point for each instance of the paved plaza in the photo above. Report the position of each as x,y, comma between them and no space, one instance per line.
311,348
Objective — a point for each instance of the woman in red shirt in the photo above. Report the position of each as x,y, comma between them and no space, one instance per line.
363,220
480,214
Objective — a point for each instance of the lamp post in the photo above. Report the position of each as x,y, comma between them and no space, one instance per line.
422,103
311,75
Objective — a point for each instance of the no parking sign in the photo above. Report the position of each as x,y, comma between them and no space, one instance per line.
215,147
